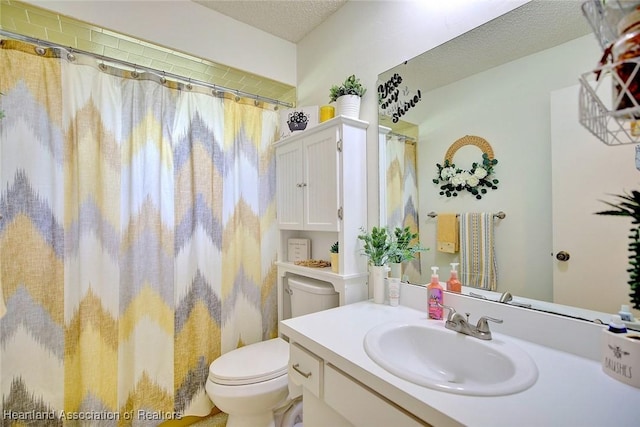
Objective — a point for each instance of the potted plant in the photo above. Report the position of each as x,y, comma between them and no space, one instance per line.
378,247
297,120
629,205
347,96
334,252
404,249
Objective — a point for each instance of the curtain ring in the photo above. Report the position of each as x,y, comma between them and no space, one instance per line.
40,50
135,73
163,78
189,86
70,56
237,96
102,66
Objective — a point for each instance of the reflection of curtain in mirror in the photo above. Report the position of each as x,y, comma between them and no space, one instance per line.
402,192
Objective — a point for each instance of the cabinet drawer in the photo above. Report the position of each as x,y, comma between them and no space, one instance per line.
360,405
305,369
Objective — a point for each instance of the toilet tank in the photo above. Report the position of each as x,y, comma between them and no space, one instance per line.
310,295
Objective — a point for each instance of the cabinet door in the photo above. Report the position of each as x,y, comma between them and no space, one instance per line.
321,195
290,186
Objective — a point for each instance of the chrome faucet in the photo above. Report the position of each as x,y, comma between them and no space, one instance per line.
457,322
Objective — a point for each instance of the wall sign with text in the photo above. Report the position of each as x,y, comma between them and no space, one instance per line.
394,100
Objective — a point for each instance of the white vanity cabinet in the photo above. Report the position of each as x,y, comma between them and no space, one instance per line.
321,195
332,397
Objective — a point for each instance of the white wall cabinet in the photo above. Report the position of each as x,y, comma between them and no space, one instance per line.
321,194
307,194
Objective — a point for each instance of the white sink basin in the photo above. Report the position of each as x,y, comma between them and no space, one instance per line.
427,354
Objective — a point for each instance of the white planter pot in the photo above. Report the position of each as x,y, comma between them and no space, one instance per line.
348,106
377,274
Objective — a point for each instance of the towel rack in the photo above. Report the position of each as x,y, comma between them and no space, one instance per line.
499,215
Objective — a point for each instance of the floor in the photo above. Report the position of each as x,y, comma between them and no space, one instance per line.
218,420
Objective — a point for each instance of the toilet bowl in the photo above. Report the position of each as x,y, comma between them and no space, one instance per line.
251,382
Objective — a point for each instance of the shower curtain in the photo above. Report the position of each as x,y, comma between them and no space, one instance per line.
138,239
402,193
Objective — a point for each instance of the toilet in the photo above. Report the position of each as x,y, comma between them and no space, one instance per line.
251,383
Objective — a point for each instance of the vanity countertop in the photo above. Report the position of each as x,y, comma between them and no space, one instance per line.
570,390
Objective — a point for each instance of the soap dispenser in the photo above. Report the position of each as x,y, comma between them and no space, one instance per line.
453,284
625,314
434,291
616,326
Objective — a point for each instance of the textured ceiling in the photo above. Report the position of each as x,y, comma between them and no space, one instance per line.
531,28
288,19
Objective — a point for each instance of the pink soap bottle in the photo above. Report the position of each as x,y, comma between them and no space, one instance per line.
453,284
434,290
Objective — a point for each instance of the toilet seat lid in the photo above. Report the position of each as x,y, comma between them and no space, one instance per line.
251,364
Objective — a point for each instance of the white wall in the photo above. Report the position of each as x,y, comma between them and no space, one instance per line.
367,38
191,28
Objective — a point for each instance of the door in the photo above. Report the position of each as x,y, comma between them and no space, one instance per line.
290,186
586,172
321,195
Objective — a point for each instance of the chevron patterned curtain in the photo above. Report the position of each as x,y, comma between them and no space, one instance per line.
402,193
137,239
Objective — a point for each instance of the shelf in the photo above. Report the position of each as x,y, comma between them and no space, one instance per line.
318,273
609,106
604,19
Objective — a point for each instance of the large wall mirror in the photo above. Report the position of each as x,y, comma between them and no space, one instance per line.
514,82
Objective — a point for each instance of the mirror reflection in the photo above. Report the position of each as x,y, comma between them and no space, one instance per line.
512,82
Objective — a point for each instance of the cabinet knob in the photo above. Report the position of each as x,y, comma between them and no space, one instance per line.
563,256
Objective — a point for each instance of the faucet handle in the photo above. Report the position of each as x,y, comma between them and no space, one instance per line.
452,310
483,326
505,297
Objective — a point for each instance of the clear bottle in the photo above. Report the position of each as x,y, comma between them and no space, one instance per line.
434,291
394,291
453,284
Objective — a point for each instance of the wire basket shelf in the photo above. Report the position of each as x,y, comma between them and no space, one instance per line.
609,103
604,15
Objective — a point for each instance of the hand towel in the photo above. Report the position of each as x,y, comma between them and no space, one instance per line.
447,233
478,267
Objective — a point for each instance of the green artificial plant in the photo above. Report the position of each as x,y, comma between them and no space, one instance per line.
378,245
351,86
629,205
404,250
334,248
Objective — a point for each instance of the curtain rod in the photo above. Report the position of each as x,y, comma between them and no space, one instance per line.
405,137
159,73
499,215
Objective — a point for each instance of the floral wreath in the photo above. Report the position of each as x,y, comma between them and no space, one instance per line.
475,180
